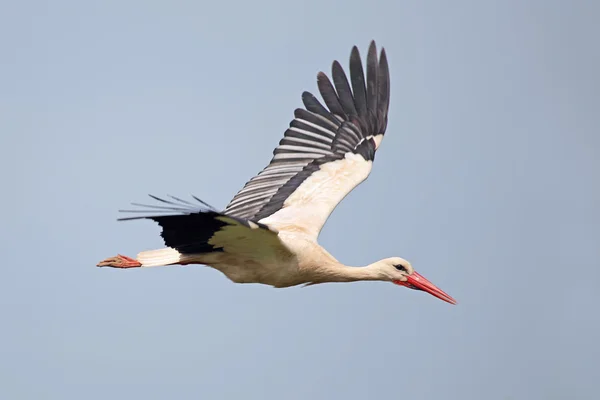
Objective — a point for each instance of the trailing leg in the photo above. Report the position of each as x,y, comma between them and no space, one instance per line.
119,261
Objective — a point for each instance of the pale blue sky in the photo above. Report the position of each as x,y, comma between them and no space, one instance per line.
487,182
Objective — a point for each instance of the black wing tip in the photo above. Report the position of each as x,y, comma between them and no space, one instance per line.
322,77
371,90
372,49
382,56
308,97
373,46
335,65
363,99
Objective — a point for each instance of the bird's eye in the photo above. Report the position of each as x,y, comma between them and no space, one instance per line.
401,267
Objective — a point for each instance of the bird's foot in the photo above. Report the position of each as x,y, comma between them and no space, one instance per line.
119,261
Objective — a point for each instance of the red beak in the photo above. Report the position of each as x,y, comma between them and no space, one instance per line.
418,282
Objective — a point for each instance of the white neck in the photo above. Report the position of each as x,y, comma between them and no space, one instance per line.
344,273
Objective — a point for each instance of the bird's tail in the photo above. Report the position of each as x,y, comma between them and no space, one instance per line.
159,257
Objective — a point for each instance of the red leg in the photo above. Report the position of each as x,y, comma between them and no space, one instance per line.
119,262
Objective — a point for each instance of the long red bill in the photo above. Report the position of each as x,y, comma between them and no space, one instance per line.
418,282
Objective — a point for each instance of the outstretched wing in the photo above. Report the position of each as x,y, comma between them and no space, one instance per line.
325,153
199,229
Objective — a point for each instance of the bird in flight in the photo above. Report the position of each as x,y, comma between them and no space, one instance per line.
268,232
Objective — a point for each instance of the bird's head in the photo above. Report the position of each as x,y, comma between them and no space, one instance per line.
400,272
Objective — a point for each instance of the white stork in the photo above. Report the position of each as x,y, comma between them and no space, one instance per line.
268,232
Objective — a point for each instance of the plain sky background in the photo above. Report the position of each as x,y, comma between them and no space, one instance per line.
487,181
